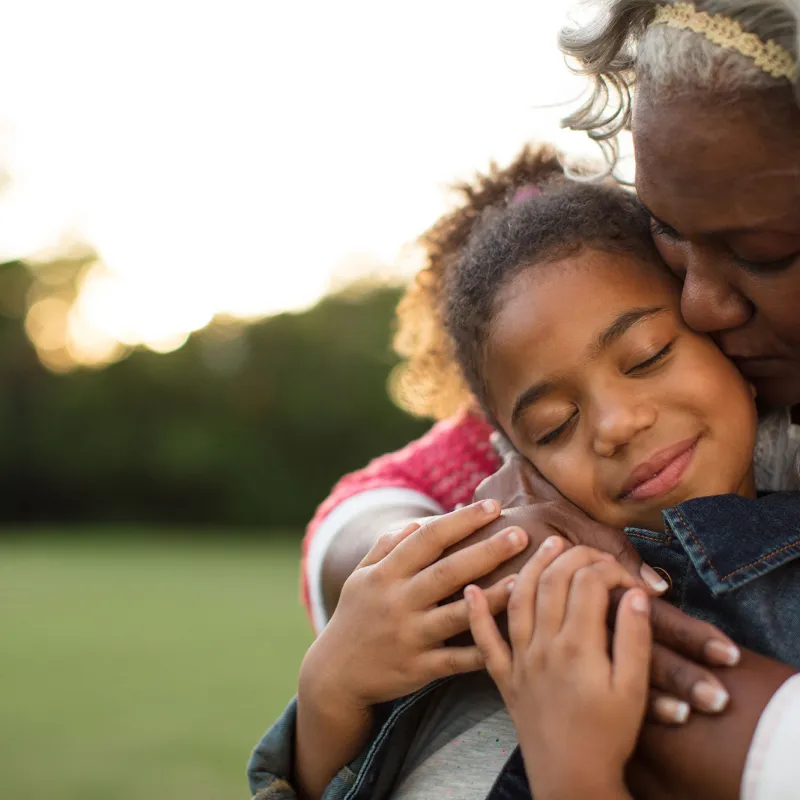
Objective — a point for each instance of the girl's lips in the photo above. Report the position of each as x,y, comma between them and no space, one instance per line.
666,478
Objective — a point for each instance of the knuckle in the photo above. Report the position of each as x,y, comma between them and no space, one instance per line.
451,665
677,676
588,578
496,547
442,572
569,649
550,578
454,616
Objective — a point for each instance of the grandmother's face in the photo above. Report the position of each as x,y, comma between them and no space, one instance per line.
722,182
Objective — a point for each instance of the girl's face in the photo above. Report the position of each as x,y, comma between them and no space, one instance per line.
722,183
596,379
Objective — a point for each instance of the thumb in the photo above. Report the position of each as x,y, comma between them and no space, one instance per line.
633,646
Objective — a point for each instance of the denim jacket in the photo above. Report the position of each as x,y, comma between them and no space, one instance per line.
730,560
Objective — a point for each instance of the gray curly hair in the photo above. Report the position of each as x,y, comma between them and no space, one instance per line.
620,47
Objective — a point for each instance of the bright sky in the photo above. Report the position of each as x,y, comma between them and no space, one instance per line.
237,156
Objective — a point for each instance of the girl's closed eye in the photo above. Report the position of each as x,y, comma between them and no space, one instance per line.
652,361
554,434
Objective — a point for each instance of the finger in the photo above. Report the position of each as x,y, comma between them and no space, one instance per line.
554,586
522,603
586,618
445,621
699,641
454,571
433,537
666,709
495,653
385,543
579,528
632,647
445,661
681,678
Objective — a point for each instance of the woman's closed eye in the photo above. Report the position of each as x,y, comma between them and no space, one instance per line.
776,265
659,228
652,361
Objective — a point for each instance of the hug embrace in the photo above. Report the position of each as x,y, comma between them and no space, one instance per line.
617,614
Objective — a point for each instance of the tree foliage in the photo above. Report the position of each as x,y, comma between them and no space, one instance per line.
244,425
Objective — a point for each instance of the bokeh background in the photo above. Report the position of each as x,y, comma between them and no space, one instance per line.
207,215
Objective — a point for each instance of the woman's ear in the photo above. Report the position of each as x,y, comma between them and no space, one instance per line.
753,390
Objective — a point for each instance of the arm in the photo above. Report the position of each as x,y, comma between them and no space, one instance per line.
577,705
387,636
430,476
706,757
348,546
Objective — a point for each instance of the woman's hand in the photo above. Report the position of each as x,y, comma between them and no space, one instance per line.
387,636
518,485
683,645
577,709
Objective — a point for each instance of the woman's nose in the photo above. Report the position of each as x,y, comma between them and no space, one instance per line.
709,302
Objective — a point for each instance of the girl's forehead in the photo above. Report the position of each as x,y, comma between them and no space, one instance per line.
572,298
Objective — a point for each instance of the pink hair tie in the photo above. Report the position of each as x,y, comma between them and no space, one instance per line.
525,193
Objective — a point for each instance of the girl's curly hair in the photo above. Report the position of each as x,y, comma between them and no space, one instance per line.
429,382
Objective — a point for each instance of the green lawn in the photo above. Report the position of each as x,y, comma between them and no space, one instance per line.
139,667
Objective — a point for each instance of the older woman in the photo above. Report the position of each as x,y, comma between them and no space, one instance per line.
716,127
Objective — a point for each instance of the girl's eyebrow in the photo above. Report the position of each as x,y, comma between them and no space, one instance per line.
528,397
618,328
621,325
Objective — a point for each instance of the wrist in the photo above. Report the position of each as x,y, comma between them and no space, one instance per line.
595,791
322,684
572,785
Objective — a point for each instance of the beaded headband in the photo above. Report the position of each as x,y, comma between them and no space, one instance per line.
768,56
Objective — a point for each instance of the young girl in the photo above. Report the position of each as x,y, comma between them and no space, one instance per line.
568,329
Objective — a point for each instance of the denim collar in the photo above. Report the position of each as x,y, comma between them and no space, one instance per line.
733,540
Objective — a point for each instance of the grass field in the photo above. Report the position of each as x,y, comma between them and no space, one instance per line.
142,668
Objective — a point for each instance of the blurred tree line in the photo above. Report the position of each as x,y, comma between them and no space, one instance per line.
244,425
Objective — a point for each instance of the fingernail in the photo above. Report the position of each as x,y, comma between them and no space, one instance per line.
469,595
515,536
653,579
708,696
489,506
549,543
510,584
639,602
672,710
723,653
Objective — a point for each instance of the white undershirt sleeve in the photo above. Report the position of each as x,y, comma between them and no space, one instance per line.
772,769
342,514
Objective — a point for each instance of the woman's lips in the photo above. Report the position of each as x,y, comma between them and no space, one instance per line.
662,473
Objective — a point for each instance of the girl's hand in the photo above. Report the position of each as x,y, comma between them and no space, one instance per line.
577,709
386,637
683,646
